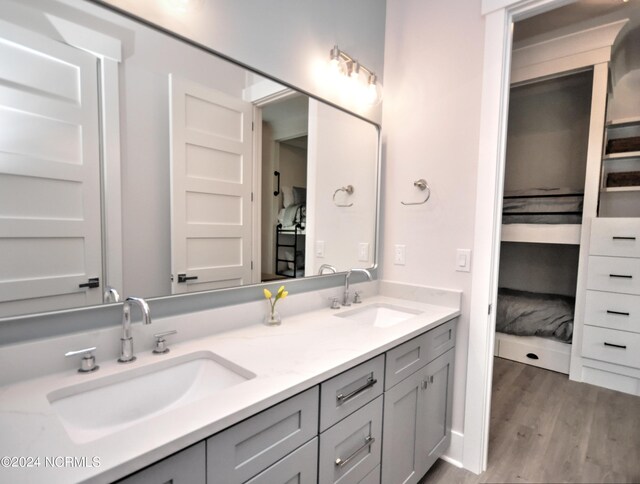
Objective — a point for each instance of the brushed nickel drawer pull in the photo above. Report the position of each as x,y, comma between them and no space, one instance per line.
343,398
609,311
623,347
367,443
623,276
623,238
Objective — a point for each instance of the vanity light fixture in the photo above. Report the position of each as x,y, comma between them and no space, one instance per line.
363,81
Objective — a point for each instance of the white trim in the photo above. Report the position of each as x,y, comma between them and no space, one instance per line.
590,206
266,91
111,174
256,206
567,53
493,124
454,453
490,6
493,114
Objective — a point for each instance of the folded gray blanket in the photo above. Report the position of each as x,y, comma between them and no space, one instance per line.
535,314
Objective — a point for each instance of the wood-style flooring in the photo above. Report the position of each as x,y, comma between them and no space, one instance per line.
546,428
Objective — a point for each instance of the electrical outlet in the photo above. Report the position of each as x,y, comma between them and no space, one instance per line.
320,248
363,251
399,255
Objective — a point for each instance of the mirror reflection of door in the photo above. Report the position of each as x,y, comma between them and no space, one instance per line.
285,181
211,188
50,236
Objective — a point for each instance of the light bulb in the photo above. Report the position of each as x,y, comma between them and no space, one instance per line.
373,92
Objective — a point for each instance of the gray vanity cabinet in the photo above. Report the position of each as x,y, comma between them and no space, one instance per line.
243,451
186,467
417,421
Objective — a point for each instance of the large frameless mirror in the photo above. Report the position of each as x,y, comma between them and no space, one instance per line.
135,163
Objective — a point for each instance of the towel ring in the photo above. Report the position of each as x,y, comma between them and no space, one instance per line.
422,185
348,190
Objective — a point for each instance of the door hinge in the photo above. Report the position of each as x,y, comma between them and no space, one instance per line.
251,265
252,126
489,309
252,196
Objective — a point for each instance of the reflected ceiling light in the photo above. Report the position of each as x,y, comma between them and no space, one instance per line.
363,81
184,5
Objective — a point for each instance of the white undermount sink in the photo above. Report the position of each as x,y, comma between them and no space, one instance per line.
380,315
106,405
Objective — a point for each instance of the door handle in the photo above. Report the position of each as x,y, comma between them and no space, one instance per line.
91,283
184,278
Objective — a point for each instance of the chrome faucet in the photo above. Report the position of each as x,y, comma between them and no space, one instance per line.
345,299
328,267
126,347
111,295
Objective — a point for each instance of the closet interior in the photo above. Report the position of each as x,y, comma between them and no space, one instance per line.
544,187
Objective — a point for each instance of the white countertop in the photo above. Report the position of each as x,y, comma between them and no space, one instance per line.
305,350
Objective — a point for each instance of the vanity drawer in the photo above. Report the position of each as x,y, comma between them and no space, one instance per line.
612,310
409,357
300,467
246,449
618,237
610,345
614,274
350,450
348,391
186,467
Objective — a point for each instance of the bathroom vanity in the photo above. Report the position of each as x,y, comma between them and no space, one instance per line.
304,400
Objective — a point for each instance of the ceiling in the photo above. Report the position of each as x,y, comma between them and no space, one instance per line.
578,12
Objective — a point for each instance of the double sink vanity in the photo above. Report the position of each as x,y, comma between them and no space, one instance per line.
359,394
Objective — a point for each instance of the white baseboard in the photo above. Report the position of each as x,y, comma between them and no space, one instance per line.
453,455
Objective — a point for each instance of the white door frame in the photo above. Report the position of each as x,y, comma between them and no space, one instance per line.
499,18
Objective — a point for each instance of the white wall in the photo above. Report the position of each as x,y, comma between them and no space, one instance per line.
287,39
430,127
346,160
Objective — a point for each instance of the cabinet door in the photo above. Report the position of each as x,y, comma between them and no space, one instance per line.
402,430
350,449
299,467
185,467
436,410
417,421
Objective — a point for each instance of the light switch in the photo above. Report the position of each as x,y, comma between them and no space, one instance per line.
320,248
363,251
399,255
463,260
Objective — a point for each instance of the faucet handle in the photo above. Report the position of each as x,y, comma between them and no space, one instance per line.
357,297
335,302
88,362
161,343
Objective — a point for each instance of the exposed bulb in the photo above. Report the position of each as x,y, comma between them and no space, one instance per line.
373,92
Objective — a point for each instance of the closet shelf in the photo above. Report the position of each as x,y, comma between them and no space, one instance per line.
542,233
623,122
621,189
622,156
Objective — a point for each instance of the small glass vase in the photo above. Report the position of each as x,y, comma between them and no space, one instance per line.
273,318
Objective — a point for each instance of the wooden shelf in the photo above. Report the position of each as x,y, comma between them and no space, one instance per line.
623,122
542,233
622,156
621,189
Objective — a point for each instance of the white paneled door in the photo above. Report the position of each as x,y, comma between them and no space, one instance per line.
211,175
50,223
